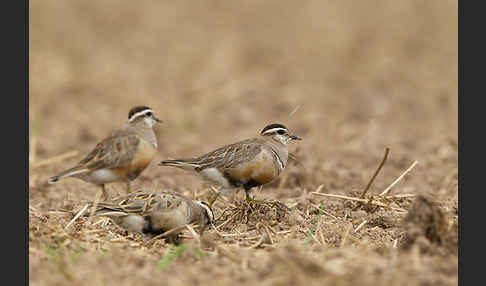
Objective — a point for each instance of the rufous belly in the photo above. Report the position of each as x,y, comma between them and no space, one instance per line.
261,170
142,158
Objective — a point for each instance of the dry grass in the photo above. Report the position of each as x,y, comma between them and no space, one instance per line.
351,78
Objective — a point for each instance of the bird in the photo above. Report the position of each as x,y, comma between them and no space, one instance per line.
152,214
249,163
120,157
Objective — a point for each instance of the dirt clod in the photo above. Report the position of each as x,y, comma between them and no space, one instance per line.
426,225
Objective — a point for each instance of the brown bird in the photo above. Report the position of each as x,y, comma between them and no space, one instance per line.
152,214
248,163
120,157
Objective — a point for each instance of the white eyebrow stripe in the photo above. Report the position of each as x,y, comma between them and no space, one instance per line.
208,210
275,130
141,113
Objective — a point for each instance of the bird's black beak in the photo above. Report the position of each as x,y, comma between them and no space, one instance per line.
293,137
157,120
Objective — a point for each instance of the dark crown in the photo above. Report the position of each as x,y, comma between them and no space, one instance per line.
137,109
271,126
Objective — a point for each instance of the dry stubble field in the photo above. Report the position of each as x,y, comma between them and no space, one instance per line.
351,78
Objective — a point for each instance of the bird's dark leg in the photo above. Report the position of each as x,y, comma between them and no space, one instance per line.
105,194
129,188
251,200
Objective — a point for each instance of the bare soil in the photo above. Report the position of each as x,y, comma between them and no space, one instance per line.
350,78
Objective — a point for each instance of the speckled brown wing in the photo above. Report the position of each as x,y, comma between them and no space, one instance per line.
140,203
230,156
113,152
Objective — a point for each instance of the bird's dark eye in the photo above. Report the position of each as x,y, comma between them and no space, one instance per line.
281,132
149,114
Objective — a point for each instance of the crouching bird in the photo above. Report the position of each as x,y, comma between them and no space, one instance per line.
151,214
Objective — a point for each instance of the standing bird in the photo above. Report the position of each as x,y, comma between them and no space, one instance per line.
152,214
120,157
248,163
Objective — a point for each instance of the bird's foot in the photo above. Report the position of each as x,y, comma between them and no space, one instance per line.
277,204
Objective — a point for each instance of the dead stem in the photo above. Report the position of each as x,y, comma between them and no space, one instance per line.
399,178
295,110
77,216
360,225
194,234
387,150
367,201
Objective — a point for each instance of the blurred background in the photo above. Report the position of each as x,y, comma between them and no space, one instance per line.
350,77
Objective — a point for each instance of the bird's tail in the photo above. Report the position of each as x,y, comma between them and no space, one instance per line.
186,164
70,172
103,209
52,180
